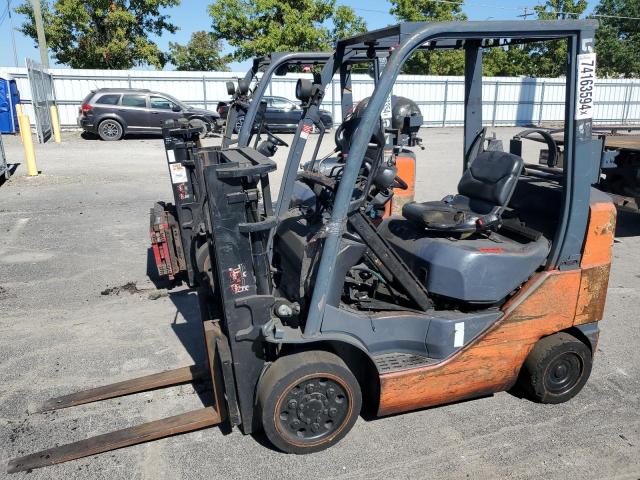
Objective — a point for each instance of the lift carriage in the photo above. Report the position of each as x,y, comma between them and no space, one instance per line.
316,306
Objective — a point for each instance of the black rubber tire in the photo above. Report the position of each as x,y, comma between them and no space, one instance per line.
199,124
556,369
116,128
315,368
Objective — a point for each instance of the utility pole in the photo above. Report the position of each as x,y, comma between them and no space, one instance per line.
526,13
13,34
42,41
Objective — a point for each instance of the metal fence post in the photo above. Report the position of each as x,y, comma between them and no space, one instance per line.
204,91
129,80
446,100
541,103
495,104
627,104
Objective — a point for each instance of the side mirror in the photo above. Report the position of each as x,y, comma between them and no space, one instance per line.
176,108
231,88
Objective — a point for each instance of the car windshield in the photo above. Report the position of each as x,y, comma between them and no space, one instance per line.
279,102
182,105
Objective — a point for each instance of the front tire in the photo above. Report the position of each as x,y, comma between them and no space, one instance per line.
110,130
556,369
308,401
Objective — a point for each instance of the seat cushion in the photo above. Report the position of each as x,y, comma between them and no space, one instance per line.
491,177
474,270
441,216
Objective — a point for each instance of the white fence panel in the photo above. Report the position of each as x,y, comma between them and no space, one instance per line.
507,101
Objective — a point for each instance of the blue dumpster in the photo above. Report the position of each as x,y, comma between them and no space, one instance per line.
9,98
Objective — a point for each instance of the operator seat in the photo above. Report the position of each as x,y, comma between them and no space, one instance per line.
483,193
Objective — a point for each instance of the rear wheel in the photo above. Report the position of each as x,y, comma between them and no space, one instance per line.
110,130
308,401
556,369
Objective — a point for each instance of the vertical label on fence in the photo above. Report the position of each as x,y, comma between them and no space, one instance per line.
586,86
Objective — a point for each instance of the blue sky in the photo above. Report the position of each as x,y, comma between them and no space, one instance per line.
191,16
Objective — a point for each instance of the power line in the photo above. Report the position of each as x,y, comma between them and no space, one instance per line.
526,9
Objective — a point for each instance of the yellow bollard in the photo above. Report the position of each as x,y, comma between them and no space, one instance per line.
27,144
19,109
55,124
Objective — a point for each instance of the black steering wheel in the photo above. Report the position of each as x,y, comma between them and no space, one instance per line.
552,146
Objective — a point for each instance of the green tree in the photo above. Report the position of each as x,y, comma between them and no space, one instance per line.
431,62
511,61
618,39
202,53
259,27
112,34
548,59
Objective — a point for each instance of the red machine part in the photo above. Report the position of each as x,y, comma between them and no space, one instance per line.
165,242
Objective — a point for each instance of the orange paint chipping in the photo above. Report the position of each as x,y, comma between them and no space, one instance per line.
600,232
492,362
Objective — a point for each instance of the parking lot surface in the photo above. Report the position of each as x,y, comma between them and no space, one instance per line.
78,310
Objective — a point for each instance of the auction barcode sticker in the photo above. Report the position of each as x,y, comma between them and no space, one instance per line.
178,173
586,86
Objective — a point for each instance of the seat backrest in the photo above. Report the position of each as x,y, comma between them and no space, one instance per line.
491,177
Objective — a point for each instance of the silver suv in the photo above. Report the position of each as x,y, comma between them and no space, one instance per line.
112,113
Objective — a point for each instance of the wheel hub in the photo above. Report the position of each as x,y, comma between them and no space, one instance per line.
563,373
313,409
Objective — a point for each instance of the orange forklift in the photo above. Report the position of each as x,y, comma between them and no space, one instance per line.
317,307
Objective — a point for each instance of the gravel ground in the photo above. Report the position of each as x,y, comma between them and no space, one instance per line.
72,234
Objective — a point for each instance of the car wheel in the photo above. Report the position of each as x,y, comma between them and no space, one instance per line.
110,130
556,369
308,401
238,125
200,125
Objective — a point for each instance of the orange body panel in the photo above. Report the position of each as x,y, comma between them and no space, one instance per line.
406,165
596,263
549,302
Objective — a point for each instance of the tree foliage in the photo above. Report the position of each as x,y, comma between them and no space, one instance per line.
549,59
432,62
618,39
201,53
111,34
541,59
259,27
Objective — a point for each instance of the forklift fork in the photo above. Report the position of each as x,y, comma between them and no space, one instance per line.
185,422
